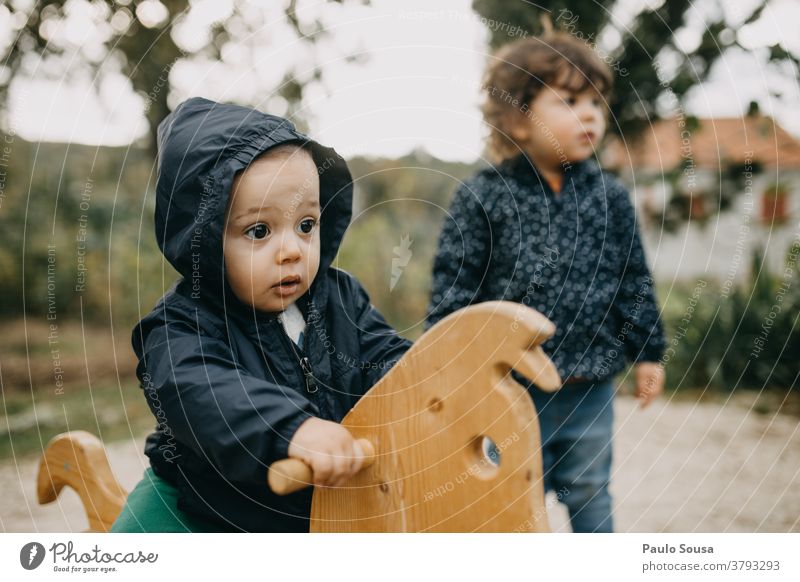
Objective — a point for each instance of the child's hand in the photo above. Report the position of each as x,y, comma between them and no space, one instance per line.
649,382
328,448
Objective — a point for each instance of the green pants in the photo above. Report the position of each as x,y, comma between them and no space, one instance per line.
152,507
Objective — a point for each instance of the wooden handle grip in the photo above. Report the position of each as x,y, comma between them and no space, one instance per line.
290,475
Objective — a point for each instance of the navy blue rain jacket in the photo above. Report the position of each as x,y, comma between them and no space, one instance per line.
227,386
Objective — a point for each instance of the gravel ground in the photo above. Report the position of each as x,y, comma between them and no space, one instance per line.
678,467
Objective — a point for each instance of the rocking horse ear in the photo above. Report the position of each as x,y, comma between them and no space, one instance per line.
526,332
539,369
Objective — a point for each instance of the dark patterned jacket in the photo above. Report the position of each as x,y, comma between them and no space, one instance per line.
575,256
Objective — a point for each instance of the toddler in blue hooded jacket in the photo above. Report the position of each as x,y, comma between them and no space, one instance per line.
261,347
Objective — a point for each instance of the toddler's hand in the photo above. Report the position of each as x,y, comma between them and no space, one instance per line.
328,448
649,382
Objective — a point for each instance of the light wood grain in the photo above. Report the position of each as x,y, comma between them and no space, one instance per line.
78,459
427,417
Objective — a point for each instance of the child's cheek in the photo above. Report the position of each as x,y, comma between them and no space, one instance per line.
313,266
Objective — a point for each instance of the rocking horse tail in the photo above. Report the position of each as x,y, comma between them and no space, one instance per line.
78,459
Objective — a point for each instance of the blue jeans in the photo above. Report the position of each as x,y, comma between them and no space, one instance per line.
576,426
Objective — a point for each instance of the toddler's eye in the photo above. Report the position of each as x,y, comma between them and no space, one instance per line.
571,101
307,225
257,232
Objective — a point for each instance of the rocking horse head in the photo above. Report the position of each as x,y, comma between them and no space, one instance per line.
455,437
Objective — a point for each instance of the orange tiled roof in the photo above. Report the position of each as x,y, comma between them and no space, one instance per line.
716,141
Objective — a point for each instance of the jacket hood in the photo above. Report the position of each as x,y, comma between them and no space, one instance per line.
201,147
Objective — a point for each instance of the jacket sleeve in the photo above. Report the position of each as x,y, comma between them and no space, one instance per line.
381,346
636,302
462,257
238,422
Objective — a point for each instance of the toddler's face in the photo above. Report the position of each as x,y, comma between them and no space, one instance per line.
272,241
563,126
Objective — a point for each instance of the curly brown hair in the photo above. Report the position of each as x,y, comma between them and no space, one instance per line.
518,71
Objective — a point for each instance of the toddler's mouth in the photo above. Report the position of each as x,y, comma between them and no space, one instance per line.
287,285
288,281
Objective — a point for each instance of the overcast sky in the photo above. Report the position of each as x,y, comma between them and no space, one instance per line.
417,88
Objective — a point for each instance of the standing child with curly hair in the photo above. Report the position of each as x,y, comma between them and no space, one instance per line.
546,227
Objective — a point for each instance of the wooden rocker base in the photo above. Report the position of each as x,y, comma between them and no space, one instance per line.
78,459
454,441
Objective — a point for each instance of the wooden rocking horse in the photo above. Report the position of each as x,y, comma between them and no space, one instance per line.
452,440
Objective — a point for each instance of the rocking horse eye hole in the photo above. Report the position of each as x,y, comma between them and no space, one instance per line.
490,452
483,457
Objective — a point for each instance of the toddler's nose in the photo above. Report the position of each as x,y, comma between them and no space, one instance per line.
289,250
589,112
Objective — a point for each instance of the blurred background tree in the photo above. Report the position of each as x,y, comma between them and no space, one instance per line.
670,42
143,40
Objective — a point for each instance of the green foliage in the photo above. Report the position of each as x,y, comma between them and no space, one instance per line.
107,410
749,339
396,201
76,234
106,196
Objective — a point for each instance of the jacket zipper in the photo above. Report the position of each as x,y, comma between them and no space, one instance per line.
311,382
305,364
